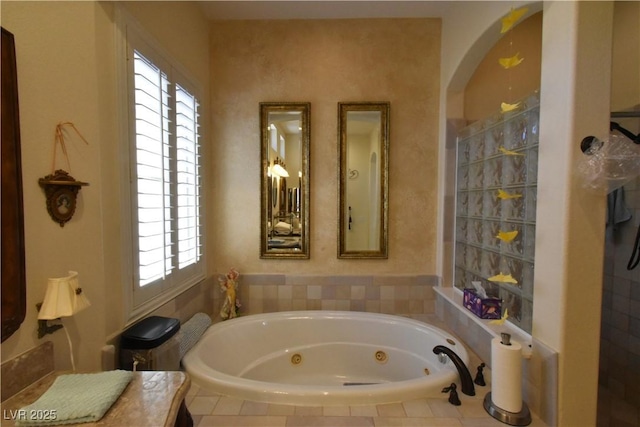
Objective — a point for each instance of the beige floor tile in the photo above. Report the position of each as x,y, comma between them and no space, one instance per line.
254,408
204,392
417,408
336,411
364,411
193,390
308,411
188,399
443,409
275,409
228,406
473,408
202,405
299,421
481,422
416,422
391,410
537,422
196,419
242,421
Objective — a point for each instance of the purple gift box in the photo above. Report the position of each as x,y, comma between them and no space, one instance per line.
484,308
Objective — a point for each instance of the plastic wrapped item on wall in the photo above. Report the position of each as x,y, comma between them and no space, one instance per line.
608,165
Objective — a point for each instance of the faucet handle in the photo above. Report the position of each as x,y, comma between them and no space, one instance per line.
479,379
454,399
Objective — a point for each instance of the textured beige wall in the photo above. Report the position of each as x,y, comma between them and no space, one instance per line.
63,75
625,82
67,72
490,83
325,62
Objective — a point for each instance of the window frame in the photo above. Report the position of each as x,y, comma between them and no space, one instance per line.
140,300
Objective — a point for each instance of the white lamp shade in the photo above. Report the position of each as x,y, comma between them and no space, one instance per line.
280,171
63,298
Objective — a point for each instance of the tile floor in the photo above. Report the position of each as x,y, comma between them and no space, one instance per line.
210,409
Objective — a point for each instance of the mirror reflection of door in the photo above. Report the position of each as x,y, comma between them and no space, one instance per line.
285,146
374,203
363,193
364,144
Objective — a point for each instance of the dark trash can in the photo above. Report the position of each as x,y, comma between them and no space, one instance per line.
151,345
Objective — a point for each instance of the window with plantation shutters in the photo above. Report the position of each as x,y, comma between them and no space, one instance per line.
165,169
152,171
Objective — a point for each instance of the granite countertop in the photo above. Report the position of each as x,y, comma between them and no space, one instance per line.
153,398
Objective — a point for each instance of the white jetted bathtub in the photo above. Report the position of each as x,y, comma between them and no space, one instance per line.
319,358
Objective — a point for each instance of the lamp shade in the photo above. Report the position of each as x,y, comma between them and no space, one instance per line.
280,171
63,298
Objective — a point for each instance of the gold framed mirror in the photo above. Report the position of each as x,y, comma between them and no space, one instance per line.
363,133
284,146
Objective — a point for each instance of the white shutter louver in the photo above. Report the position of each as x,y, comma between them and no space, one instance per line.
188,184
167,174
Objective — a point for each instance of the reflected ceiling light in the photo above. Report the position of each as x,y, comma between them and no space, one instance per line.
279,168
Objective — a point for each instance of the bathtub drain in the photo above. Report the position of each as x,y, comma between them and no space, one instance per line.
296,359
381,356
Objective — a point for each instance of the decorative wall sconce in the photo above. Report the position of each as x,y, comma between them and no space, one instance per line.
63,298
61,189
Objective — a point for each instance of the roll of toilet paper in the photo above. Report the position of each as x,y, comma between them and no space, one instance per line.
506,375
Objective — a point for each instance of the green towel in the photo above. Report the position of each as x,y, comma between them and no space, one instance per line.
76,398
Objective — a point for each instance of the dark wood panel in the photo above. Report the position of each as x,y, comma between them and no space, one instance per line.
14,296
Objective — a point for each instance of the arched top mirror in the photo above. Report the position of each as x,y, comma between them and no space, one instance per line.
363,132
284,142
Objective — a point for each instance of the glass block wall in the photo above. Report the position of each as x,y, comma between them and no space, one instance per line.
497,174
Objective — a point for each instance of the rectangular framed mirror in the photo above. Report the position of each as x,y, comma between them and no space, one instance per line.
363,212
284,177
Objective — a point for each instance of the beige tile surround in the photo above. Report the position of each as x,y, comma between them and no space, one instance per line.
197,299
403,295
